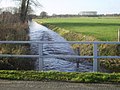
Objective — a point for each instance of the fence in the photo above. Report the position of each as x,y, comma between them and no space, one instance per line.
41,56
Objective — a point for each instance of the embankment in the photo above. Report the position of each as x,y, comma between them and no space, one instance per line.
109,65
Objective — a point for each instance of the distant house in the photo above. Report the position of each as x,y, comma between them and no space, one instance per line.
88,13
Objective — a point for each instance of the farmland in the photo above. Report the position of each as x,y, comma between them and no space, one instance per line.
89,29
102,28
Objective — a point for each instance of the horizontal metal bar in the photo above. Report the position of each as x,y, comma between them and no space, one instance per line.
76,56
51,42
112,57
19,56
66,56
18,42
56,56
48,56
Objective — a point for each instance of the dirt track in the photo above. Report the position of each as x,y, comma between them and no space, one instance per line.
38,85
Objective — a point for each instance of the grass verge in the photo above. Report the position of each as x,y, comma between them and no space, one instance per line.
61,76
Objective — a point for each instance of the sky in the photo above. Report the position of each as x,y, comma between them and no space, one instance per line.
73,6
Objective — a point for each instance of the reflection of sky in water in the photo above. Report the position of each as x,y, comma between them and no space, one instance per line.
41,33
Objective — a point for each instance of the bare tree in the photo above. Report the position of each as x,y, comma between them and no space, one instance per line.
0,10
25,4
24,7
7,15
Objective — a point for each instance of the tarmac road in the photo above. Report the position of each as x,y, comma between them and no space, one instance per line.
39,85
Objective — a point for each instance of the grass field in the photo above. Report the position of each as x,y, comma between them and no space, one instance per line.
89,29
104,29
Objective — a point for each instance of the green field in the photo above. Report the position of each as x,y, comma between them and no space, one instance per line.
103,28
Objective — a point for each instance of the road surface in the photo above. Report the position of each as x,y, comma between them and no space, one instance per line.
39,85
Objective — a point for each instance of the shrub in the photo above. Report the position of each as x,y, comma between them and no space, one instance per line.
61,76
15,32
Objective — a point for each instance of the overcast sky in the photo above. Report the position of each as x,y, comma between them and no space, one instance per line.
74,6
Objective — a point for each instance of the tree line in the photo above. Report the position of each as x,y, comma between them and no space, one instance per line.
22,10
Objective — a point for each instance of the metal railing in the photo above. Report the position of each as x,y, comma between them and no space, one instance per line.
41,56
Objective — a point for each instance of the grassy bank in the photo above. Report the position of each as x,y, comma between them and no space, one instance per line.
102,28
14,32
111,65
61,76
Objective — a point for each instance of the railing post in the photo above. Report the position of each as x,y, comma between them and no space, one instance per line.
95,60
40,67
118,35
78,53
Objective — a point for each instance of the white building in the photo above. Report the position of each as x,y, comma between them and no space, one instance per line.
89,13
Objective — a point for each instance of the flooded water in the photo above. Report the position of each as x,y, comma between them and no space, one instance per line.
41,33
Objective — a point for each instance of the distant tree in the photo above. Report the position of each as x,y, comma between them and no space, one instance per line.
43,14
16,10
13,10
30,10
9,15
54,14
25,7
0,10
